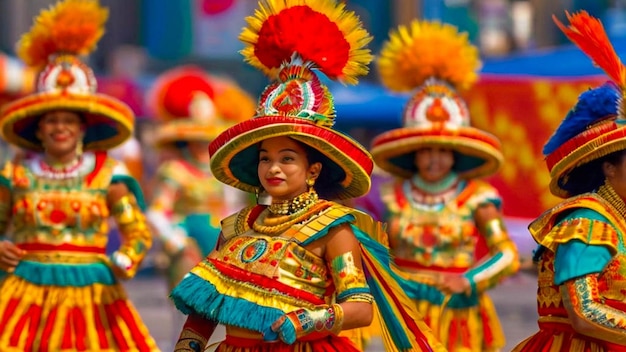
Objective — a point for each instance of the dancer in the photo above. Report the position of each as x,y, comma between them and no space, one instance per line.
446,230
188,202
292,275
61,292
581,255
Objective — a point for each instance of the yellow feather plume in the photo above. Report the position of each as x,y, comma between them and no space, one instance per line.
423,50
69,27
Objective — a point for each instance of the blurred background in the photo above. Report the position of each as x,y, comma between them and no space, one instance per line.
530,77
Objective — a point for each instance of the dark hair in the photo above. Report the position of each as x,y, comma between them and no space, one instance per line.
590,176
327,183
181,144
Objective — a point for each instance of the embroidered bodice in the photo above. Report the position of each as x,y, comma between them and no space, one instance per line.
60,210
436,232
550,232
279,259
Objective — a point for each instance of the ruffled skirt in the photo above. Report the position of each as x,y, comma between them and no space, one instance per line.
330,343
471,329
92,316
556,337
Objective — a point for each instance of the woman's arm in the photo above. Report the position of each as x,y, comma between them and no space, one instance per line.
135,234
353,307
195,334
10,254
588,313
160,215
501,261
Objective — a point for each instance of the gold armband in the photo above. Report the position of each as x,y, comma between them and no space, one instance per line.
495,231
135,234
350,283
190,341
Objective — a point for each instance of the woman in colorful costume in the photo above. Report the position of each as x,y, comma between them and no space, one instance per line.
290,276
582,257
60,291
445,226
188,202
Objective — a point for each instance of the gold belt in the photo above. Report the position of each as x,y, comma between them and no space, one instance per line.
62,257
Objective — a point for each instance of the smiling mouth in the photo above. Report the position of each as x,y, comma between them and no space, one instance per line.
274,180
60,138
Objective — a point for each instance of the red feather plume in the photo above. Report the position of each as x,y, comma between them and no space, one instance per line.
588,33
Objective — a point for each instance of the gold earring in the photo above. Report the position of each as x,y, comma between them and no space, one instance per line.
310,182
79,148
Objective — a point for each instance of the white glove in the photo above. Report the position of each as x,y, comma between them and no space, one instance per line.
177,239
121,261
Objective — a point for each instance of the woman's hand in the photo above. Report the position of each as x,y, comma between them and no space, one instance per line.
10,256
296,324
454,284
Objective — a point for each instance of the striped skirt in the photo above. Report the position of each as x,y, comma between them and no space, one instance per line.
95,317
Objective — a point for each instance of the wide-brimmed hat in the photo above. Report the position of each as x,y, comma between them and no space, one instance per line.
439,62
192,105
596,125
57,38
326,38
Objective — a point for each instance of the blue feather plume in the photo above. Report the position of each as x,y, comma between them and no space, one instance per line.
592,105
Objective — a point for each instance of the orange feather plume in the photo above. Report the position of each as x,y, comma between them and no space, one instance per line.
589,35
69,27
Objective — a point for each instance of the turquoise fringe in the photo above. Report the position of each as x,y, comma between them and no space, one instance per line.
5,182
380,254
75,275
133,187
196,295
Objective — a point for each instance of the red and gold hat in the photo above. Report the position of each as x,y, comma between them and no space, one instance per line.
596,126
289,40
194,106
57,38
439,62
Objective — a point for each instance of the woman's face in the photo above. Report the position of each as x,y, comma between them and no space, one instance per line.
283,168
59,132
616,176
433,164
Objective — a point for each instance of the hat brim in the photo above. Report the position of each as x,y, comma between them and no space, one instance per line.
170,133
594,149
234,153
109,121
477,153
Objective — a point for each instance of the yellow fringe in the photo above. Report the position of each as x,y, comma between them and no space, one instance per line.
426,50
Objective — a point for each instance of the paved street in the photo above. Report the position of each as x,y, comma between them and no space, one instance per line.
515,300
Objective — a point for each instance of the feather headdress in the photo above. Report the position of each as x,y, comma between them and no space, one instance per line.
594,127
291,41
52,47
69,27
423,50
436,62
320,32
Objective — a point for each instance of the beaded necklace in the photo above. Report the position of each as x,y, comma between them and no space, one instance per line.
607,192
69,170
431,195
294,206
280,216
